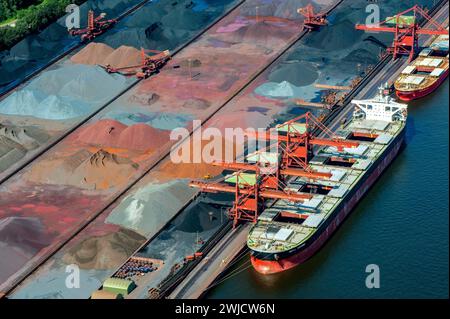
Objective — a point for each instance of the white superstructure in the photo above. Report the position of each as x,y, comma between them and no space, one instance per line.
380,108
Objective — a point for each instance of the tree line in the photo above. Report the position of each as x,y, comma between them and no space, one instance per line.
9,8
32,16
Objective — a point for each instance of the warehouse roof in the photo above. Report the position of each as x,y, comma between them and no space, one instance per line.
117,283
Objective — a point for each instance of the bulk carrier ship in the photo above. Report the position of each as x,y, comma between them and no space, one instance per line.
426,73
299,192
288,233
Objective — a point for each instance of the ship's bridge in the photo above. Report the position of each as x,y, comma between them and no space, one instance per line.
382,108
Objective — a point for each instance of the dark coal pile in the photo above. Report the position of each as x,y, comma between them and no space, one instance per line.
20,239
164,25
298,74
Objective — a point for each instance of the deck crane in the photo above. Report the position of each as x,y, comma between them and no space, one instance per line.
95,27
148,66
406,30
312,20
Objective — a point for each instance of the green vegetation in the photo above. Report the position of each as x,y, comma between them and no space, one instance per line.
9,8
30,16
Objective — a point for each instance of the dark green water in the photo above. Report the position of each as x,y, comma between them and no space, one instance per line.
401,225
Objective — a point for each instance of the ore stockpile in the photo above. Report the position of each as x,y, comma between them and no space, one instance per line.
91,166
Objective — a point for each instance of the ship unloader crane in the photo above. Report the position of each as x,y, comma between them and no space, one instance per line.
250,194
267,177
296,140
149,64
95,27
406,31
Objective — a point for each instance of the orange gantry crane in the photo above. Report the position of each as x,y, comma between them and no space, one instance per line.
406,30
250,197
148,66
95,27
298,141
269,179
312,20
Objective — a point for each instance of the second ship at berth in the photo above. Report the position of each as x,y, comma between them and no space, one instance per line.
426,73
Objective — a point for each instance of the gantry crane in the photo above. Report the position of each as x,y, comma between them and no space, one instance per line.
148,66
268,179
312,20
297,142
250,196
406,31
95,27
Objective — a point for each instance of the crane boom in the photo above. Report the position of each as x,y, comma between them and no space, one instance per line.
406,34
393,30
299,139
264,193
285,171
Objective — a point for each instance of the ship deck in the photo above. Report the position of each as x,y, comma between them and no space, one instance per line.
274,233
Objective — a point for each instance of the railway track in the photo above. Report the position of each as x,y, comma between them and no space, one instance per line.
169,285
165,153
12,87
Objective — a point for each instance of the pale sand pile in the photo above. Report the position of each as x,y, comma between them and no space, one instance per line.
151,206
111,133
101,170
15,142
63,93
279,8
104,252
93,53
102,54
123,56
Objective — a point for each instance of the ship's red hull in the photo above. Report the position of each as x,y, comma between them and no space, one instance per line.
417,94
271,266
